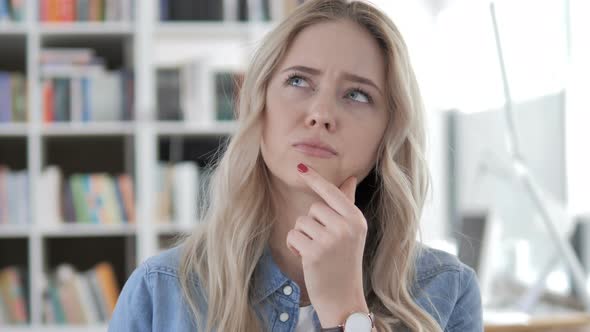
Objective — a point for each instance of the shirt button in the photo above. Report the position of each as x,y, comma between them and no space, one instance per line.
287,290
284,317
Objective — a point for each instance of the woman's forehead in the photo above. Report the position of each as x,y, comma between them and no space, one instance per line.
340,45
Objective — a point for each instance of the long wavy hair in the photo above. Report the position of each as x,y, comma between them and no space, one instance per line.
222,252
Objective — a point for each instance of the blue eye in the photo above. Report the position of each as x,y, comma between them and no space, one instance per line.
295,80
359,93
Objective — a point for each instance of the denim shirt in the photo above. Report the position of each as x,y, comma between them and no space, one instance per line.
151,299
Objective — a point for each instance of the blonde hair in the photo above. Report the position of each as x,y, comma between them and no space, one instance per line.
222,253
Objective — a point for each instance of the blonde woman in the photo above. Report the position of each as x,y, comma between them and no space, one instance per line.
314,206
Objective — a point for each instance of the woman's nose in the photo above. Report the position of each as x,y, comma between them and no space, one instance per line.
322,114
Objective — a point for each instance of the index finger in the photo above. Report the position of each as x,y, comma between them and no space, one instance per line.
331,194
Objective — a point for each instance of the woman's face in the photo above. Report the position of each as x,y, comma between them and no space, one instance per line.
328,89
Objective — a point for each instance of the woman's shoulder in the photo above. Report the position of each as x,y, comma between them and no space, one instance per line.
166,262
151,299
447,289
431,262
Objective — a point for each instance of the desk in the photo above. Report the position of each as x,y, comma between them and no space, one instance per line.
570,322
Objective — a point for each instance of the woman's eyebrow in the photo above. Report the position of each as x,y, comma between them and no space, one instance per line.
347,76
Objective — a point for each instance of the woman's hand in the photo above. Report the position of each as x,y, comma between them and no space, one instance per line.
330,240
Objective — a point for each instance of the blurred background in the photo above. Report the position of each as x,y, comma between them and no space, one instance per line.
111,112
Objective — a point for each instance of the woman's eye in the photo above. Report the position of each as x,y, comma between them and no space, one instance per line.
297,81
359,96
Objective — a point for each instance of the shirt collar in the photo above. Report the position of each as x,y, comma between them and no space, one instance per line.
268,278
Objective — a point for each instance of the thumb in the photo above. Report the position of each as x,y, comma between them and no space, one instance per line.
348,187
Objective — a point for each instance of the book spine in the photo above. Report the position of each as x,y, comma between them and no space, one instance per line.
4,12
82,10
91,198
57,304
62,99
127,193
18,296
86,116
97,295
66,10
48,101
108,285
17,10
19,110
5,97
3,195
120,201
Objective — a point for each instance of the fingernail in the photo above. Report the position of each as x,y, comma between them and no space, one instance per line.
302,168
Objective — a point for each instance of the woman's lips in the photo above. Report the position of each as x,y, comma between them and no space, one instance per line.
314,151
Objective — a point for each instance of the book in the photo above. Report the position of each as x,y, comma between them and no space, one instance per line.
164,173
84,10
80,297
77,87
14,196
69,56
213,10
108,286
185,194
105,97
95,198
185,10
17,10
4,11
61,99
19,97
126,195
168,94
196,91
5,97
181,192
97,295
68,295
12,290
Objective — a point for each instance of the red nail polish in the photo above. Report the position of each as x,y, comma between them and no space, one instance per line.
302,168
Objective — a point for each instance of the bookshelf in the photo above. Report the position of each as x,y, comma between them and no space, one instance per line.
137,146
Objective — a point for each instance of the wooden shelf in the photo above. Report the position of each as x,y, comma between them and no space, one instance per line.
211,30
84,230
88,128
14,231
13,129
12,29
167,128
85,28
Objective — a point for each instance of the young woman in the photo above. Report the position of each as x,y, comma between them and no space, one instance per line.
315,203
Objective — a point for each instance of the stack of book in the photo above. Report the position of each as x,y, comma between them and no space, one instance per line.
13,97
12,10
191,93
180,188
13,297
85,10
96,198
78,88
14,196
88,297
188,10
228,10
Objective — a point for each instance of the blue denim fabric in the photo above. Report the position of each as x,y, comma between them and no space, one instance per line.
151,299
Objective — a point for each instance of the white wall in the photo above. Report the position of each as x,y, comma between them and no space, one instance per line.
578,110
